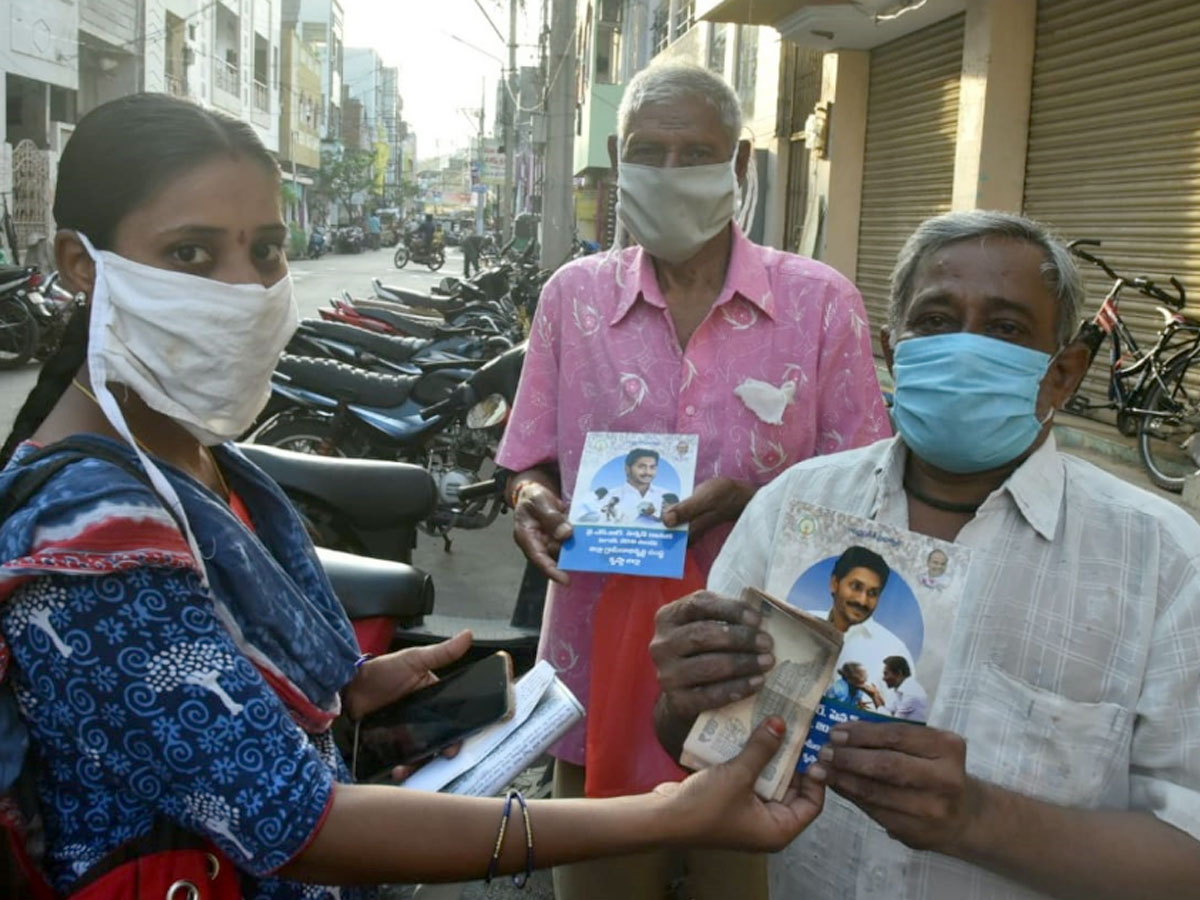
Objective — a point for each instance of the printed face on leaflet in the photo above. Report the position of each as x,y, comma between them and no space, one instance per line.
891,677
641,472
855,596
937,564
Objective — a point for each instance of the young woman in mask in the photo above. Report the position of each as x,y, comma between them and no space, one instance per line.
172,655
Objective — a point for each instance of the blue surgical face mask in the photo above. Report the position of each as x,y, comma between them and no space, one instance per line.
967,403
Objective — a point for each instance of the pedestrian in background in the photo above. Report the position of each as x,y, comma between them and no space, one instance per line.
471,246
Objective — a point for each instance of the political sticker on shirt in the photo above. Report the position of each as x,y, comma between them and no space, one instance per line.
894,596
626,481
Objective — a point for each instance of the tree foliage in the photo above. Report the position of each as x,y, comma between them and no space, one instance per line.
344,175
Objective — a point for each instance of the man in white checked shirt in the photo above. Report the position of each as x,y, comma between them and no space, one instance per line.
1062,753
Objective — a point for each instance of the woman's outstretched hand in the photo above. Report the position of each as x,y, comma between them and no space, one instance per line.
718,806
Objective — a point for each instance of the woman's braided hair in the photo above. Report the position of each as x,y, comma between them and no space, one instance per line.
120,154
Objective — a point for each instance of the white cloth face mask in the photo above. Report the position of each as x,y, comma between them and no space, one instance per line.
199,351
673,211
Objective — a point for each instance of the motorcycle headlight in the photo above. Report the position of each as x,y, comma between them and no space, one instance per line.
490,411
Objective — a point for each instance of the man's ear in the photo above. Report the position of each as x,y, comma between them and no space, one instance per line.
613,156
1062,379
75,266
743,160
885,344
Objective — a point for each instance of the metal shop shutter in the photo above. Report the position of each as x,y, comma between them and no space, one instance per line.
1114,144
908,166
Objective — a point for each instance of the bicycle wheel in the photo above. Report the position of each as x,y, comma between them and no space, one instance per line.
18,333
1166,430
401,257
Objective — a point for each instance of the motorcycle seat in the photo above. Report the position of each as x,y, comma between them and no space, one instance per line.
415,326
344,382
416,298
370,587
386,346
372,493
432,316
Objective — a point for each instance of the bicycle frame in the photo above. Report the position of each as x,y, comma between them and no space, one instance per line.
1146,367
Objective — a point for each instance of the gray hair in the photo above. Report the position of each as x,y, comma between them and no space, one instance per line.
670,82
1059,271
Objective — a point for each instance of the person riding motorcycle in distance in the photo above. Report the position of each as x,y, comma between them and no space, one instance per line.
171,652
425,231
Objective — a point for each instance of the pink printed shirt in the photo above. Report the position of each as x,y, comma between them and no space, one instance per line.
787,333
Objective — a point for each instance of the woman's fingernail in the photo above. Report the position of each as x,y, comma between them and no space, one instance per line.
839,736
763,641
751,616
757,681
766,660
776,726
817,772
826,754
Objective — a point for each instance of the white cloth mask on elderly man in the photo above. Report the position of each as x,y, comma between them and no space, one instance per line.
673,211
196,350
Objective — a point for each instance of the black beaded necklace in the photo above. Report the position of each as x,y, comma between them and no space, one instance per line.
943,505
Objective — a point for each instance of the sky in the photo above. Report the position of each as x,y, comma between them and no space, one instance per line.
439,75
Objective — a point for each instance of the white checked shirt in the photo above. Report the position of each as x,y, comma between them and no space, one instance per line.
1073,671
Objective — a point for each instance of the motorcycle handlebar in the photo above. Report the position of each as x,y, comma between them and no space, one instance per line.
462,397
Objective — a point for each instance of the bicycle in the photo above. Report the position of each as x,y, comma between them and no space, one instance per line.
1149,389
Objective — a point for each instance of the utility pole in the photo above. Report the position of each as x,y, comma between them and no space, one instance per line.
510,131
558,208
481,197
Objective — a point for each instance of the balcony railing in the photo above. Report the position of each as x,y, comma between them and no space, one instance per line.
176,86
227,77
262,97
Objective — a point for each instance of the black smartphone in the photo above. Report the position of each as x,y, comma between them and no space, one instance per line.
431,719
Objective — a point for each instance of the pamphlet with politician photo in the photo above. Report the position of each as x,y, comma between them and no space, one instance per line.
893,595
625,483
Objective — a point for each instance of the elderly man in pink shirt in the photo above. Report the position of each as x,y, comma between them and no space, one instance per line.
763,354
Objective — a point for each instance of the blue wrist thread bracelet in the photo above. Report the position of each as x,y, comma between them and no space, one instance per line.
519,880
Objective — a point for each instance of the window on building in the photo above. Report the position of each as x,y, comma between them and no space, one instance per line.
62,104
745,76
685,18
608,42
175,69
659,34
716,47
608,54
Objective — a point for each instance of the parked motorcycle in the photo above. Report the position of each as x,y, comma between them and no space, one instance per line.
318,243
414,249
350,239
19,330
363,516
447,420
53,305
387,353
387,318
